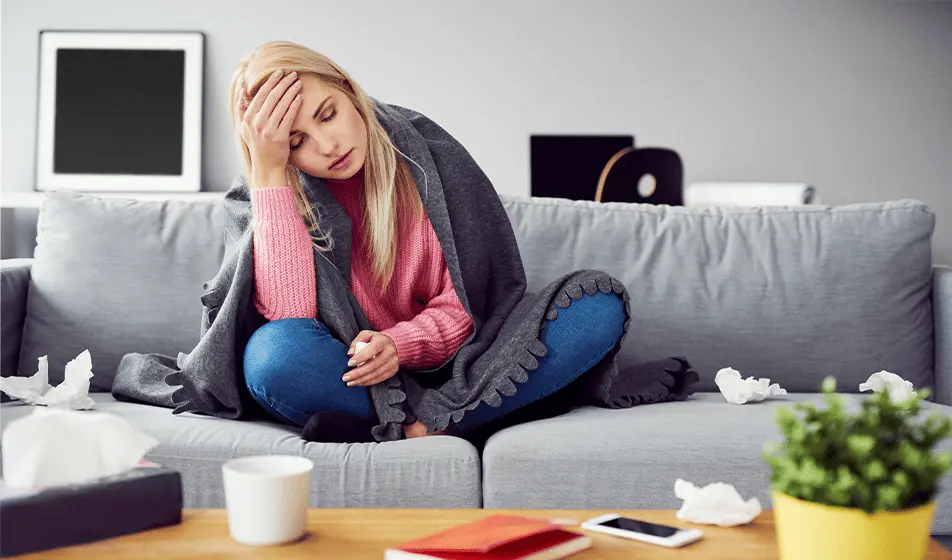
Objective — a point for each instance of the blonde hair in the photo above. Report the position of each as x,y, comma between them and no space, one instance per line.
390,191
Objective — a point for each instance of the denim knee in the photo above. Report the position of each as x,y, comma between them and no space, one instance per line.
293,368
581,335
598,317
611,311
264,355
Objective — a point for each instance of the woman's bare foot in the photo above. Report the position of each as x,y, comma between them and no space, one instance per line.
417,429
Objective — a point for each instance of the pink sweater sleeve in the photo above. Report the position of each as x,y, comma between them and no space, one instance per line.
430,338
285,284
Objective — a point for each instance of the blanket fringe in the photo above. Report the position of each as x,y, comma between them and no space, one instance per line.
392,431
527,360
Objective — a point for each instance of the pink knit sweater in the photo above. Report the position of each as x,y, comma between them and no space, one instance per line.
421,313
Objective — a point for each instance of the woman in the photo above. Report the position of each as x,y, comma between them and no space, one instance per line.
296,111
372,287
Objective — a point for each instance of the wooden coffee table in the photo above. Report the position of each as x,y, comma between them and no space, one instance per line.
366,533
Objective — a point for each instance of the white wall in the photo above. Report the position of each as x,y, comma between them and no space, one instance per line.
854,97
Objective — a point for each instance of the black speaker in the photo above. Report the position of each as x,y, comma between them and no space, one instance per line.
642,175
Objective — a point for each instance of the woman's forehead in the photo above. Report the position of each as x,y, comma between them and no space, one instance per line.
310,81
313,84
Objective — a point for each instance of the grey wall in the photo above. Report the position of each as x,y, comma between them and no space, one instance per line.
854,97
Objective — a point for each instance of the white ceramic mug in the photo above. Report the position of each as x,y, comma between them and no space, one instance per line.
267,498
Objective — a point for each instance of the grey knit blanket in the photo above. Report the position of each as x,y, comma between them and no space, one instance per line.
483,259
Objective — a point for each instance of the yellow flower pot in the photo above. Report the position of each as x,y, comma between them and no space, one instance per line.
809,531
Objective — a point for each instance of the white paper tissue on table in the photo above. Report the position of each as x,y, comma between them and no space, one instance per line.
715,504
53,446
72,393
739,391
899,389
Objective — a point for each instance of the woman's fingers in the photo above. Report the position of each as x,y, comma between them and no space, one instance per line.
260,96
357,375
362,336
372,349
284,103
385,371
263,118
382,366
381,375
289,112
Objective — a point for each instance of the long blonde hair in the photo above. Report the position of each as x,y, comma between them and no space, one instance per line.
390,191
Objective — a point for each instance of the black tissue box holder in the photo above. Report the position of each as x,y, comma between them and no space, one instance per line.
132,501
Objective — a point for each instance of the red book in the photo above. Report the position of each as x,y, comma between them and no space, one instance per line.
497,537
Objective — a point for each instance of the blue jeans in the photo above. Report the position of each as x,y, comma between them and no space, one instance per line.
293,367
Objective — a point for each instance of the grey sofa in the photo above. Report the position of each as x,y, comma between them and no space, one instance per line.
794,294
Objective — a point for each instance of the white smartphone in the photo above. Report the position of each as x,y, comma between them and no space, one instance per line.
653,533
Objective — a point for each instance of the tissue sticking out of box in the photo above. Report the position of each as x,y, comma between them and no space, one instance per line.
739,391
715,504
899,389
53,447
72,393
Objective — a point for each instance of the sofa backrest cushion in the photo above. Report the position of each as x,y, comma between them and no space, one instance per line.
115,275
790,293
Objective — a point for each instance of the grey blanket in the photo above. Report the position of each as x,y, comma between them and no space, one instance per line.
483,260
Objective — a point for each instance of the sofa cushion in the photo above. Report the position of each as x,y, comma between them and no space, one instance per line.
594,458
791,293
14,287
437,471
115,276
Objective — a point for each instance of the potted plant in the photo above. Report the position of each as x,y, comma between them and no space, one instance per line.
850,485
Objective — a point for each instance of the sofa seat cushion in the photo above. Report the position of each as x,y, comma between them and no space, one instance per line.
594,458
434,471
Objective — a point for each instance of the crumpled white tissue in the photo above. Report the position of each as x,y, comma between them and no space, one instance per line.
72,393
28,389
715,504
899,389
740,391
358,347
54,446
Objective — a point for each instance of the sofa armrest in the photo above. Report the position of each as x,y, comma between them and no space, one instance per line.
942,324
14,285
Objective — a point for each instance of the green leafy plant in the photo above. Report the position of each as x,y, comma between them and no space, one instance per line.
880,458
